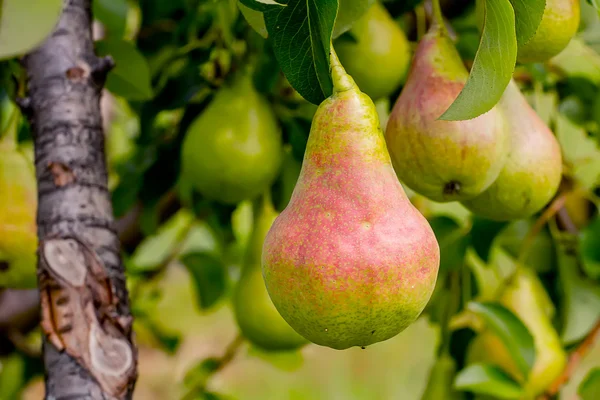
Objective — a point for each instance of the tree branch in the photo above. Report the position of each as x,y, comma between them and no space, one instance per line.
88,348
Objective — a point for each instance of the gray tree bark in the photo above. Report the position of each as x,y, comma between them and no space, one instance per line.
88,347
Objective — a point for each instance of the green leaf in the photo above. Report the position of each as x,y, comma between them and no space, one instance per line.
493,65
131,76
488,380
255,19
483,233
541,255
168,341
453,240
262,5
113,14
511,330
581,297
155,249
578,60
197,376
301,34
528,16
595,3
349,11
580,151
208,276
590,248
24,25
590,387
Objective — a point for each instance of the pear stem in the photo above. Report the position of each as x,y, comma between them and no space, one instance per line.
341,80
438,17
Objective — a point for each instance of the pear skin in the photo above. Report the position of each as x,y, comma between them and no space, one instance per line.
558,26
379,58
532,173
233,150
443,160
254,311
350,261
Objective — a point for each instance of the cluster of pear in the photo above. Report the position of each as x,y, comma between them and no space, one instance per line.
505,164
350,261
241,144
18,205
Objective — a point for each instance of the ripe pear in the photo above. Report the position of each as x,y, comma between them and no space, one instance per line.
18,207
559,24
350,261
533,170
254,311
378,55
233,150
526,297
443,160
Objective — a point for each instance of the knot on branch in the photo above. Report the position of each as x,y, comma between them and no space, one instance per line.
79,313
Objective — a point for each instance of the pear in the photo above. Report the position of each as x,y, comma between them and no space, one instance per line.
350,261
559,24
254,311
233,150
443,160
526,297
18,207
533,170
378,53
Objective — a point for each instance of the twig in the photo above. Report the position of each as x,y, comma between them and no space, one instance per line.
553,209
220,363
584,347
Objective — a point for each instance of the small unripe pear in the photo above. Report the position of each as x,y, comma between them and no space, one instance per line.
232,151
378,55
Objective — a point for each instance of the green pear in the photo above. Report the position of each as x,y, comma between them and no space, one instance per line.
559,24
254,311
233,150
350,261
443,160
526,297
533,171
378,53
18,207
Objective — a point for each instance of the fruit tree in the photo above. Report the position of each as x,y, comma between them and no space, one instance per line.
289,200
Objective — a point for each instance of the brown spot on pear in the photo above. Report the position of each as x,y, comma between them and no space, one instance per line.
335,282
442,160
